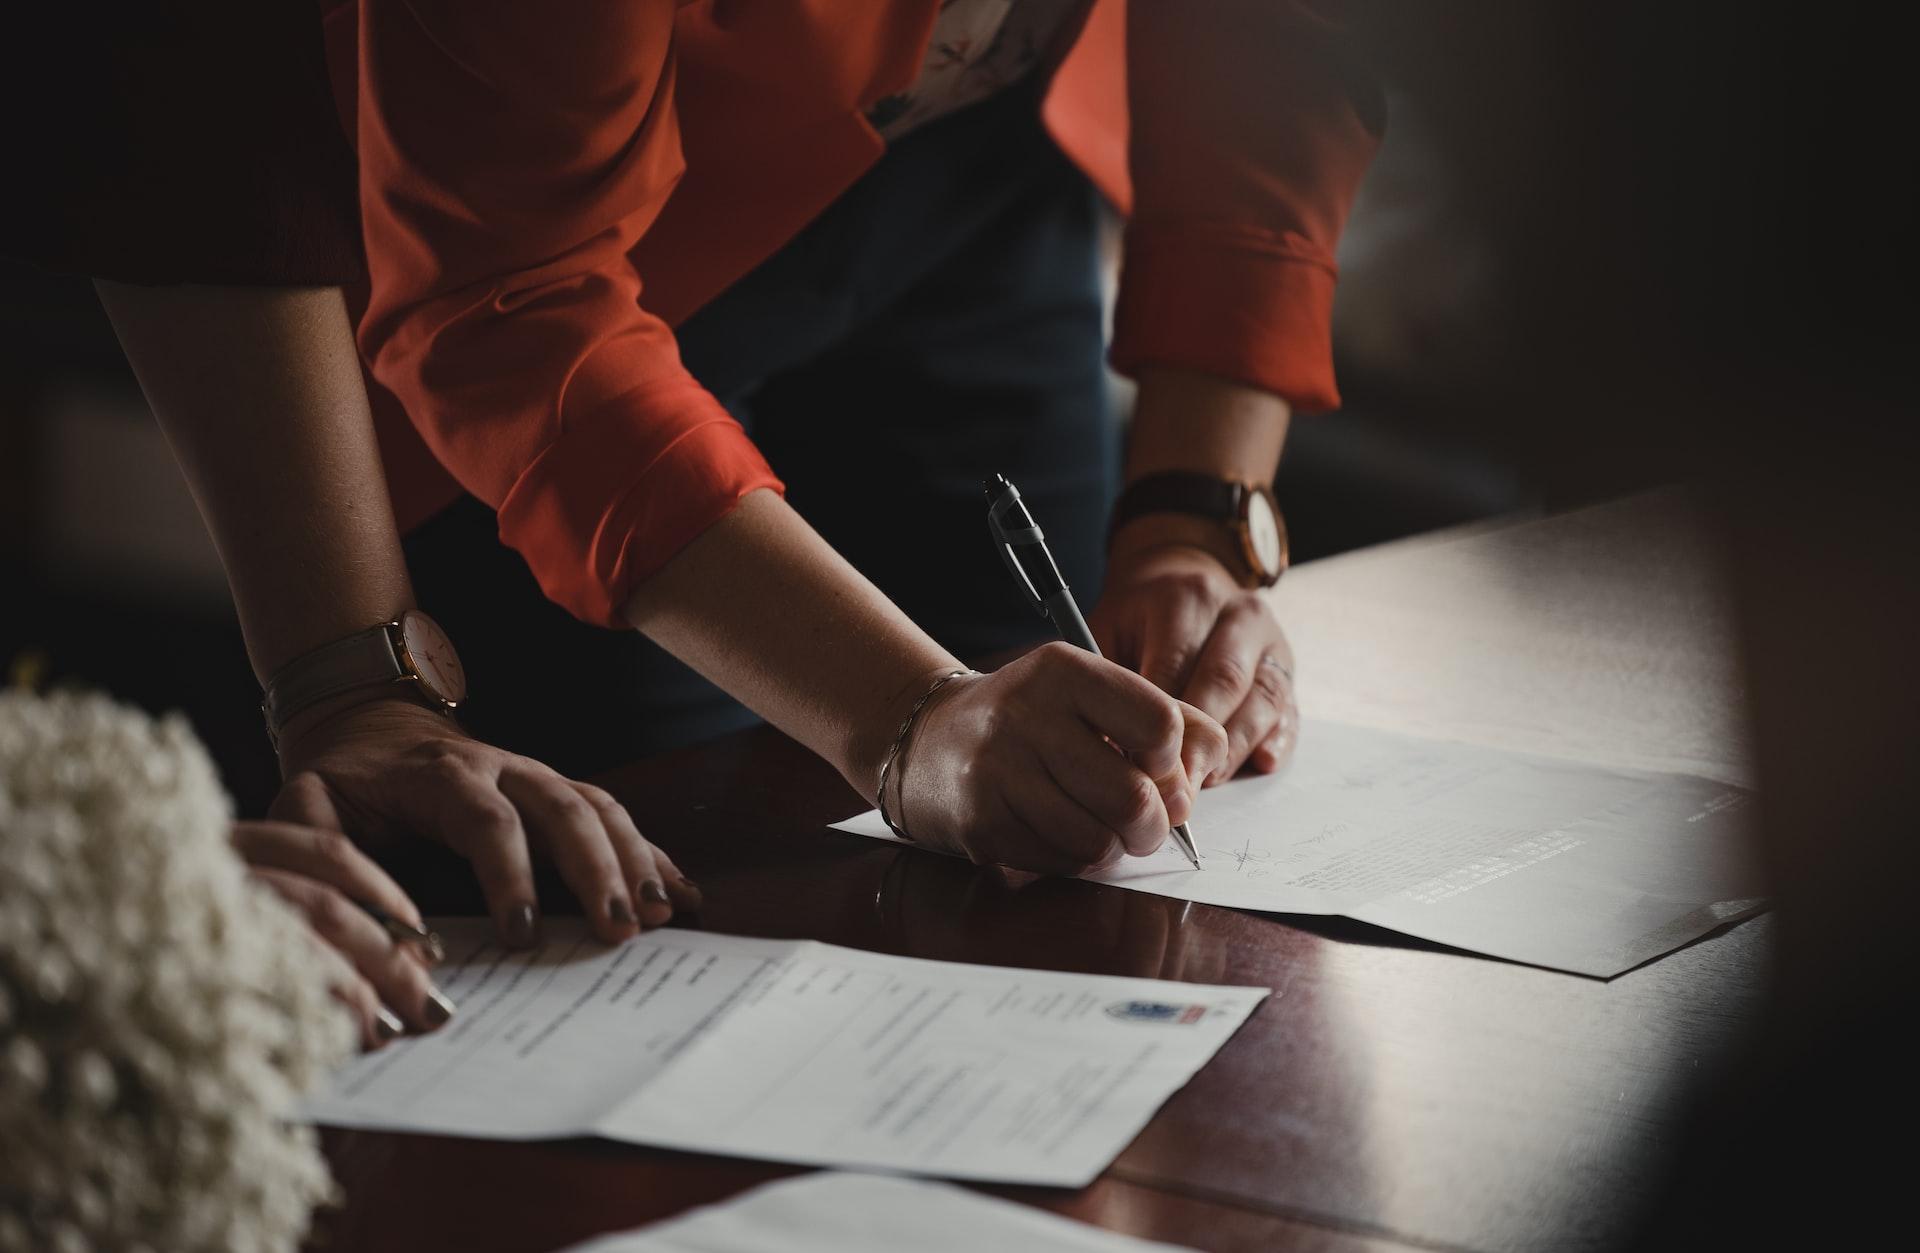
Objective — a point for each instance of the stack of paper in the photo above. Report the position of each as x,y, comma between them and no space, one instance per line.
794,1051
841,1213
1555,863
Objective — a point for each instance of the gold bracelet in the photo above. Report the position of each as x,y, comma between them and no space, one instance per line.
899,742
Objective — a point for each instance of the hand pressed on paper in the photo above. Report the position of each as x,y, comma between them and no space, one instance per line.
391,768
1173,612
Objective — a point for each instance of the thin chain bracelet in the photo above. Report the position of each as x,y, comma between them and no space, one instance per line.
899,742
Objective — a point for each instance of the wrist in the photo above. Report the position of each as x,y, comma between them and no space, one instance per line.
1153,533
871,739
390,705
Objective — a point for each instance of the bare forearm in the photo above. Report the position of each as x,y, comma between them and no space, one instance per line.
259,392
761,605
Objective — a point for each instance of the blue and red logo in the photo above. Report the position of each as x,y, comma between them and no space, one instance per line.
1156,1011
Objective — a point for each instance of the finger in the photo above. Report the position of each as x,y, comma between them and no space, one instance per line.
657,885
1279,746
1258,718
1051,831
398,981
573,834
304,799
1122,799
375,1024
1203,749
1110,633
1254,722
1143,720
1224,672
329,857
1171,637
480,824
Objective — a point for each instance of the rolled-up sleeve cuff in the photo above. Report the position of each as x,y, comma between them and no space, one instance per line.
1249,306
617,496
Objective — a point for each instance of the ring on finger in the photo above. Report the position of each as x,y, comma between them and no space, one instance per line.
1268,659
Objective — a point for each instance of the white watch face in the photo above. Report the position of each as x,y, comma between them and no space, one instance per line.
433,657
1263,529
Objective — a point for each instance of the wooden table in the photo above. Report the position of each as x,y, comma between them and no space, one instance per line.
1390,1095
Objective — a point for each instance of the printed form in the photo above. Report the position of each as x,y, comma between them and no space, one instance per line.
834,1212
793,1051
1551,862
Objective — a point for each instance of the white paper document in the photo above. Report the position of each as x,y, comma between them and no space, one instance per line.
791,1050
834,1212
1535,859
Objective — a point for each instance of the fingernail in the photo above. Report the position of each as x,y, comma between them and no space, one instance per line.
438,1008
386,1026
523,926
652,893
619,910
692,889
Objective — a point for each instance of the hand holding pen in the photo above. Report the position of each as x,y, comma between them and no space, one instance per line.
1023,547
1019,767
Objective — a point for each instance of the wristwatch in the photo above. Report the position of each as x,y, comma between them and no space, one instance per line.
411,653
1247,510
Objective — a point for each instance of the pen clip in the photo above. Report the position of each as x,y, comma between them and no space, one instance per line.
1010,499
1019,573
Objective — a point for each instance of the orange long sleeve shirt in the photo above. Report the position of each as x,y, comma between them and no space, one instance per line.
547,189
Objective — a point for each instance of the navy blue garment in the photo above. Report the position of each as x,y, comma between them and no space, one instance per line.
939,323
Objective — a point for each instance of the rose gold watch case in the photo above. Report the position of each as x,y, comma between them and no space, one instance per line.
429,659
1259,573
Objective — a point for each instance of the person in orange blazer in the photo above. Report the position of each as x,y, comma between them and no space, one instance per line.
637,270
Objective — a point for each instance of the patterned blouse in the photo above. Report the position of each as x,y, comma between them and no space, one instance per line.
979,47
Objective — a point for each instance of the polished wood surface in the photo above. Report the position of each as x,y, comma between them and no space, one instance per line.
1390,1094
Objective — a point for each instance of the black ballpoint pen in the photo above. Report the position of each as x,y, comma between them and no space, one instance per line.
1023,547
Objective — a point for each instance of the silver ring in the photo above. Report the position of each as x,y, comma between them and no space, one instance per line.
1270,660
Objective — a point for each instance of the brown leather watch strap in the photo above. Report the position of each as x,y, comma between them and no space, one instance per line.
1177,491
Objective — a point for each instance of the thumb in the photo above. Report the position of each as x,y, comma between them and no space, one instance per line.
305,801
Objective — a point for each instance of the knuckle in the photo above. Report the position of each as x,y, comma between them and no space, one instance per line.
494,817
1167,722
305,785
1174,660
1142,800
1194,585
1268,684
1226,670
442,752
1251,605
572,808
486,831
334,848
402,978
329,912
445,767
1058,653
598,797
996,720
